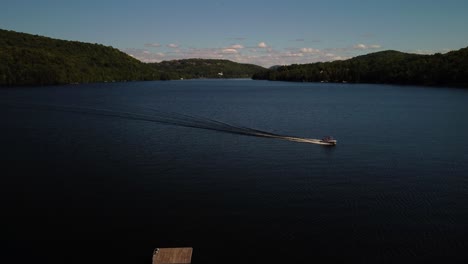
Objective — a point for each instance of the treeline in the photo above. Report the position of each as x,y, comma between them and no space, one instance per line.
390,67
204,68
27,59
35,60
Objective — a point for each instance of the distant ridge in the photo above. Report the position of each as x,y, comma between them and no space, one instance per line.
391,67
205,68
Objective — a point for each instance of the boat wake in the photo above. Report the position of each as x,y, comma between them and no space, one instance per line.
172,118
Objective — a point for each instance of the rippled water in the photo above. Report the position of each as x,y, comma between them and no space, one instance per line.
108,172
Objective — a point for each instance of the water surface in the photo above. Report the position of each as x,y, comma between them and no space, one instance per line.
85,178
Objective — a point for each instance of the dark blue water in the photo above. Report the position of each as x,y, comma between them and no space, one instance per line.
97,173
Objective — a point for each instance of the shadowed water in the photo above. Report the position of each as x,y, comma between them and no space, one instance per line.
107,172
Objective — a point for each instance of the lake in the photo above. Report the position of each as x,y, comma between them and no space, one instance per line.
105,173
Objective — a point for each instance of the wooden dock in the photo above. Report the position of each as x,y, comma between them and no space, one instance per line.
172,255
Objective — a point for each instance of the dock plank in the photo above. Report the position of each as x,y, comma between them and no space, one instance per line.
172,255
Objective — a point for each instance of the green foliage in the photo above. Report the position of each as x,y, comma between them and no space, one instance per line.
390,67
34,60
204,68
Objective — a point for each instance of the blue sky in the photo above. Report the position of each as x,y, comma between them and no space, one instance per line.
261,32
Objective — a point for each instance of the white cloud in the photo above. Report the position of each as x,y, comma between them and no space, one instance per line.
363,46
229,51
428,52
236,46
262,45
339,58
261,54
309,50
291,54
422,52
360,46
172,45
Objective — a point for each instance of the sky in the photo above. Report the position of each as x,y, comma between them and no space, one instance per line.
261,32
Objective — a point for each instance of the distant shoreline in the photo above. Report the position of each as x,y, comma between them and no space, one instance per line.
385,67
31,60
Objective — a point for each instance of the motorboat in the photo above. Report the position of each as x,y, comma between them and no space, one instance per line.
328,140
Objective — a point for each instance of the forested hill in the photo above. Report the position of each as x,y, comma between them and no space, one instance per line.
35,60
27,59
204,68
390,67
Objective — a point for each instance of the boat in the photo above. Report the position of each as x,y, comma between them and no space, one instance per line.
328,140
